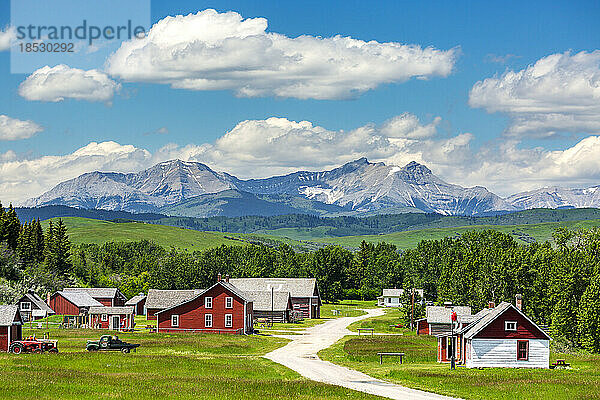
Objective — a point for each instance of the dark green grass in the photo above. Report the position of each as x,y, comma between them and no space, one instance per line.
420,370
179,366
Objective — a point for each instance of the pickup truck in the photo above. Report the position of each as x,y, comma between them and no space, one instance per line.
110,343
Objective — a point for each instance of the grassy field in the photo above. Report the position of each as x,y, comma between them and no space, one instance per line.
409,239
84,230
178,366
421,371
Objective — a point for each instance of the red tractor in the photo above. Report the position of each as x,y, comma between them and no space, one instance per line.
33,345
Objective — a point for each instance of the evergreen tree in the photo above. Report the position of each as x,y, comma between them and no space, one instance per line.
588,317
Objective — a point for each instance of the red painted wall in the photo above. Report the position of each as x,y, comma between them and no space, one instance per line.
4,338
191,314
150,313
422,328
525,329
139,307
62,306
106,302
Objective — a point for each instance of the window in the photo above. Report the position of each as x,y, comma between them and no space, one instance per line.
174,321
228,302
208,320
523,350
104,317
208,302
510,325
26,306
228,320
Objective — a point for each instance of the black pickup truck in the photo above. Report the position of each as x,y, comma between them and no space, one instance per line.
110,343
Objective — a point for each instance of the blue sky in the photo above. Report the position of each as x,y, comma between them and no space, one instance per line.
489,39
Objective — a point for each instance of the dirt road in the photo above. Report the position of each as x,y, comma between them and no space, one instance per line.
301,356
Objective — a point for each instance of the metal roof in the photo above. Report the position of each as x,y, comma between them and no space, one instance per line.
262,300
111,310
37,300
441,315
161,299
298,287
95,292
80,299
135,299
7,314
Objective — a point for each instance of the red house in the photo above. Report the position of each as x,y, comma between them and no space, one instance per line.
72,303
158,300
221,308
114,318
138,303
10,326
109,297
502,336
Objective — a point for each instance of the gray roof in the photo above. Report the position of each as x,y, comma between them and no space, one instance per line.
161,299
441,315
227,285
262,300
111,310
487,318
399,292
80,299
94,292
298,287
7,314
135,299
37,300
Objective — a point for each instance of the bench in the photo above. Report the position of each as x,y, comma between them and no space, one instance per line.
372,330
389,354
560,363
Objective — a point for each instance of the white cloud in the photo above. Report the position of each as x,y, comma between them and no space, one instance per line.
559,93
6,35
61,82
16,129
222,51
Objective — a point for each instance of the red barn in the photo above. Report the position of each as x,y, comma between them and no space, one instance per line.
10,326
221,308
114,318
138,303
72,303
109,297
500,337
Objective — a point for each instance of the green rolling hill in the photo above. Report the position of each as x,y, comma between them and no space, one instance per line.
85,230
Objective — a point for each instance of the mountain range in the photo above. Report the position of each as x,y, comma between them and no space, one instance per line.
357,188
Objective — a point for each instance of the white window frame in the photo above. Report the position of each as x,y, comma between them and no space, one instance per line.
228,302
208,302
104,317
208,320
230,323
510,326
23,308
174,321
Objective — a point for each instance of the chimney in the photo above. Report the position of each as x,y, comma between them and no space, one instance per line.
519,301
491,304
219,277
227,278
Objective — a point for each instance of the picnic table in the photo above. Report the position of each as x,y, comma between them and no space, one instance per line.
560,363
372,330
389,354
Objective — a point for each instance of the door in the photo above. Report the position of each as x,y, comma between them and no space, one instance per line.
115,322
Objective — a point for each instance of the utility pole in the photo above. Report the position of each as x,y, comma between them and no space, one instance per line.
452,346
272,304
412,311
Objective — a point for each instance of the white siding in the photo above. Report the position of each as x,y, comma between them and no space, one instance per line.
503,353
391,301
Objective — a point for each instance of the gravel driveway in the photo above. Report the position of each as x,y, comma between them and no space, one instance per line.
301,356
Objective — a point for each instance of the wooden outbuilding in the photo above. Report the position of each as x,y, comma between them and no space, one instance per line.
500,337
32,307
72,303
10,326
113,318
138,303
158,299
437,319
222,308
304,292
109,297
274,306
392,297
